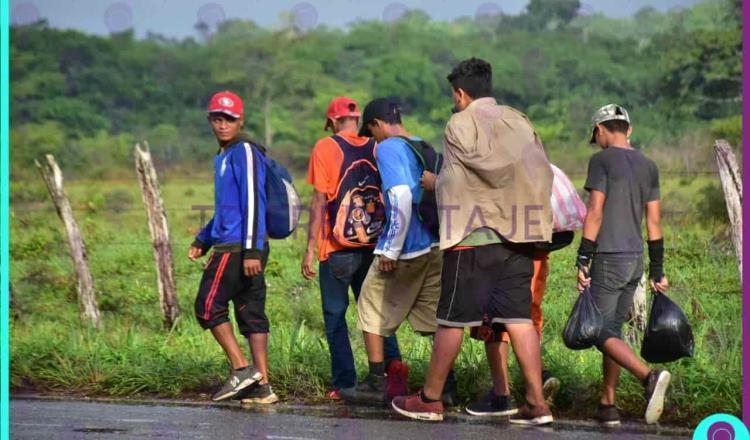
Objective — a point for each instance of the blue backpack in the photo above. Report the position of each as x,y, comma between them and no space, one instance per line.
282,200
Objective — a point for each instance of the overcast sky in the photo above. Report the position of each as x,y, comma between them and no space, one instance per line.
176,18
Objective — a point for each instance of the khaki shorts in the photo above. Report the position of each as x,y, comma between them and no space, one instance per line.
411,291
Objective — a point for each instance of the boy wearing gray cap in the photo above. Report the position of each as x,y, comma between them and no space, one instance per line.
622,184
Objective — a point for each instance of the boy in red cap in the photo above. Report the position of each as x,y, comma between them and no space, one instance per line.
346,217
234,272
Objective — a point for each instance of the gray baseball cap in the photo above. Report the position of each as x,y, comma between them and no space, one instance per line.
610,112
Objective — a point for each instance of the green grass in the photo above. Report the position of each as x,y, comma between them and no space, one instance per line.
133,354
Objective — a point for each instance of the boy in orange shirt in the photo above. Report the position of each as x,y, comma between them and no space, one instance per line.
346,218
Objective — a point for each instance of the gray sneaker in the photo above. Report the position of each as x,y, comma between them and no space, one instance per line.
607,415
238,381
369,391
656,385
260,394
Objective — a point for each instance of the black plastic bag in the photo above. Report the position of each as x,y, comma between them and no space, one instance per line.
584,324
668,336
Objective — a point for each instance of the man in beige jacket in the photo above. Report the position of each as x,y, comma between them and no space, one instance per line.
494,195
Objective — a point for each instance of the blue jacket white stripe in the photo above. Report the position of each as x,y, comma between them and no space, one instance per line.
239,220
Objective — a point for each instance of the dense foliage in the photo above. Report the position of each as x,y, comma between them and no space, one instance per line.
88,98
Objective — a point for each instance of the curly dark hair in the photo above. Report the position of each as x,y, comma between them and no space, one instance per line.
474,76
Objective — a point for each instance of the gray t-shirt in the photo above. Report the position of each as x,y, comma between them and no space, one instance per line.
629,180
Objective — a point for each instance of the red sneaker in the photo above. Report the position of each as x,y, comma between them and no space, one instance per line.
397,380
334,395
414,407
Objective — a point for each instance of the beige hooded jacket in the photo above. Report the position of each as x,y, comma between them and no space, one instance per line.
496,175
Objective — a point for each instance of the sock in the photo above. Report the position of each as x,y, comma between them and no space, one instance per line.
240,369
424,398
377,368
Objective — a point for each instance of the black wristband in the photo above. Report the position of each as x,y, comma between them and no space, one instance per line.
587,247
656,259
585,253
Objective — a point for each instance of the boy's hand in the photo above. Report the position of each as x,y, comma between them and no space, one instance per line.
308,264
662,286
428,181
195,252
584,280
252,267
386,264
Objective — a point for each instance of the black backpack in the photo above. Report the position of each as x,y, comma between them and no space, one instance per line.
357,213
431,161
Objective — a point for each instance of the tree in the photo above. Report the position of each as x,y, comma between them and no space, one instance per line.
544,13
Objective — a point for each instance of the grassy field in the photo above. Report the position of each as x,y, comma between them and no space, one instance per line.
133,354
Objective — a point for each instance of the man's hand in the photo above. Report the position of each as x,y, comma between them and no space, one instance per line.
428,181
252,267
584,280
662,286
386,264
308,264
194,253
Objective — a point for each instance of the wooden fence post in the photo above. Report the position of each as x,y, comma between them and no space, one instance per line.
157,224
731,182
86,295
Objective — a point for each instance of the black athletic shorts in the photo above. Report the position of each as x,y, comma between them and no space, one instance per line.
224,280
486,285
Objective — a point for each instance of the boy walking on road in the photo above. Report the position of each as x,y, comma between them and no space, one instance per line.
494,193
346,217
403,281
234,272
622,183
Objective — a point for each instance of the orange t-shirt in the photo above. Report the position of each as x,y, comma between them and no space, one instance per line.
323,174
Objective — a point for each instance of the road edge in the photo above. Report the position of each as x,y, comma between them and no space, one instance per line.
334,410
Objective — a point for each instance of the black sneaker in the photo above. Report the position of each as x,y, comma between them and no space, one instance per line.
371,390
656,385
607,415
238,381
492,405
260,394
550,386
450,390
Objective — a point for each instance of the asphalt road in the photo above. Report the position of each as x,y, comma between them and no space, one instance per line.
65,419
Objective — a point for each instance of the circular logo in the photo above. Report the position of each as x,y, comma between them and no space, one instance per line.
488,10
226,102
118,17
24,14
721,427
394,12
586,10
211,15
304,16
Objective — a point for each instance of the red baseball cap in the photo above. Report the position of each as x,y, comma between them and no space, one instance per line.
341,107
226,102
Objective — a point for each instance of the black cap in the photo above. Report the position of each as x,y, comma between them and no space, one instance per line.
386,109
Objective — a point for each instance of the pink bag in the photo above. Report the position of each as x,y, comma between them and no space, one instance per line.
568,210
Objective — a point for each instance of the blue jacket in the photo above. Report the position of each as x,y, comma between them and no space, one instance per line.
239,221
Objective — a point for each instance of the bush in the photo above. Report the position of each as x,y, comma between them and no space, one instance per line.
118,201
711,205
728,128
